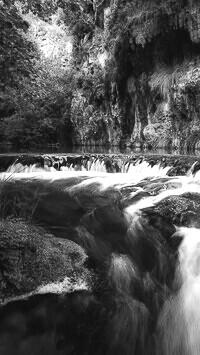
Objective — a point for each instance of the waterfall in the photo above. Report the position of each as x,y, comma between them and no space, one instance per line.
180,314
138,219
149,165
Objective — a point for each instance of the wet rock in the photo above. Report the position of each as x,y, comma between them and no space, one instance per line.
179,164
6,161
53,325
34,261
182,210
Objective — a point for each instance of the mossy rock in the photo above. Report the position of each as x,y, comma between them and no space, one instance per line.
34,261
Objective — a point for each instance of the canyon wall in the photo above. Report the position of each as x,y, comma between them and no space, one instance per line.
100,73
142,66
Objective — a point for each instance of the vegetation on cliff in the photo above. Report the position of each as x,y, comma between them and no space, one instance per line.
35,79
100,72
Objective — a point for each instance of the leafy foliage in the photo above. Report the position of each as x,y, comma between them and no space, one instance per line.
163,80
52,80
35,89
16,50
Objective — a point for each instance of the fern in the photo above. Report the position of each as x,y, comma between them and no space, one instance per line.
165,78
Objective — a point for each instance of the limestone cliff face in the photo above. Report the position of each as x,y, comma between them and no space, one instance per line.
139,76
175,120
100,72
95,110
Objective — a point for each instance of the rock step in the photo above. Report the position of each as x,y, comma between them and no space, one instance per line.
113,163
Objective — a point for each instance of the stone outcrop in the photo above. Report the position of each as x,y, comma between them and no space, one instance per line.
33,261
115,163
101,73
127,229
143,63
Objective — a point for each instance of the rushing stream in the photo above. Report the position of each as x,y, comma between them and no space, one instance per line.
138,218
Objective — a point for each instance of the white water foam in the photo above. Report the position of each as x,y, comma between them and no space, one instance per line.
140,169
179,322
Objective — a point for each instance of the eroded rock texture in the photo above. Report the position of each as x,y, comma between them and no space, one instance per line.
34,261
100,72
139,77
132,231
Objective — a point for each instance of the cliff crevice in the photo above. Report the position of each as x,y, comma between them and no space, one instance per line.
148,57
100,72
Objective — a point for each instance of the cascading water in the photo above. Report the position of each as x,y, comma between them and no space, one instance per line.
139,223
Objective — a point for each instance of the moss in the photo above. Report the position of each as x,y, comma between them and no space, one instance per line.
32,259
126,59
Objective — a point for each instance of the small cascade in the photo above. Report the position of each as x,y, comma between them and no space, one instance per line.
20,168
179,321
140,166
145,169
138,220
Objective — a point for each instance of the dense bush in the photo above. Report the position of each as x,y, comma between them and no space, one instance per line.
54,82
36,86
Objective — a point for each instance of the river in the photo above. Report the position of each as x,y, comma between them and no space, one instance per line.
137,216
